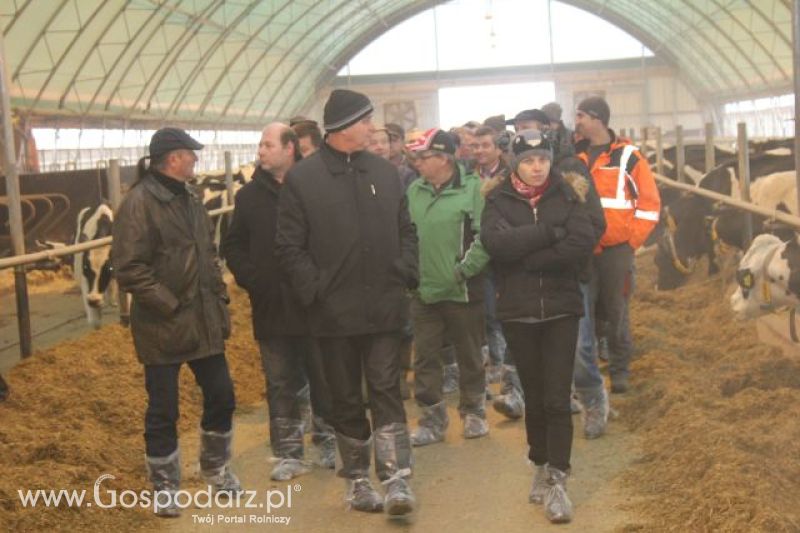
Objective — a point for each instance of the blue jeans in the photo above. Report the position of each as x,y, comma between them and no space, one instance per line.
498,349
587,374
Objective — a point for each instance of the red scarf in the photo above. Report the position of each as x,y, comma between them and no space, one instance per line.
531,192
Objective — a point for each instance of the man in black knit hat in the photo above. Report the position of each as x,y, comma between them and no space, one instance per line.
346,240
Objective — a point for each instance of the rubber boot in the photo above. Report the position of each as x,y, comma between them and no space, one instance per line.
324,439
450,378
473,415
557,505
595,415
432,425
510,402
393,462
215,457
355,457
304,407
539,486
165,475
287,445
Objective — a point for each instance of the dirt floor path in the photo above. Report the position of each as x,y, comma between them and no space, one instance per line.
708,438
477,485
57,315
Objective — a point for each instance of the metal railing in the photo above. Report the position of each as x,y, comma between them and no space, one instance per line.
115,196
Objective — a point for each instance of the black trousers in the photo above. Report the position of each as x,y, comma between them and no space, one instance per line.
376,358
434,324
161,417
289,363
545,357
612,270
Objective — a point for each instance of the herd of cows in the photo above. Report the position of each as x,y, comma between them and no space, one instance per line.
691,227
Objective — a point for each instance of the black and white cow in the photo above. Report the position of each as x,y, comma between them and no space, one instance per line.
211,189
768,277
694,159
693,224
92,268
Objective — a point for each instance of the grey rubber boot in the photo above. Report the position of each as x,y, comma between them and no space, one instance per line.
165,475
215,457
539,486
473,415
432,425
324,439
286,435
510,402
304,407
393,461
595,412
557,505
355,457
450,376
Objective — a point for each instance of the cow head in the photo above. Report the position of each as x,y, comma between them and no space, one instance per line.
681,243
97,271
93,267
768,277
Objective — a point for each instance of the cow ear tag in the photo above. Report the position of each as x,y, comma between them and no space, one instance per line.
745,280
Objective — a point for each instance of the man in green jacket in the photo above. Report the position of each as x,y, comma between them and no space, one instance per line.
445,206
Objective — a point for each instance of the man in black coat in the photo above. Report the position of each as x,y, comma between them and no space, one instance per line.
164,255
288,353
346,239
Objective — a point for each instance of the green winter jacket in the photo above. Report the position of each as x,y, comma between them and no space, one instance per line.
451,255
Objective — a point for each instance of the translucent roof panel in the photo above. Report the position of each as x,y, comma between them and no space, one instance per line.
240,63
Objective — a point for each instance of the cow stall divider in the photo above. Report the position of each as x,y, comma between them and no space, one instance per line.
770,214
744,180
19,261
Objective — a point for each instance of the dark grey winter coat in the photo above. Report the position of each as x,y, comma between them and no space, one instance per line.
164,255
347,242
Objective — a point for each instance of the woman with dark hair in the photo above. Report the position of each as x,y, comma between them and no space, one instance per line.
537,230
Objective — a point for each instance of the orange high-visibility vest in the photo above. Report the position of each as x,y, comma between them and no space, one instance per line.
628,194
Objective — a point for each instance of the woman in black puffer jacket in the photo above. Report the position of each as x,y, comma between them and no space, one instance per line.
537,229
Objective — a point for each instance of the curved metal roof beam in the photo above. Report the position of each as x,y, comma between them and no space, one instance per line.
786,39
201,63
324,35
86,57
310,67
117,61
262,56
659,47
38,38
213,89
756,41
135,56
176,52
16,17
67,50
738,48
372,32
691,28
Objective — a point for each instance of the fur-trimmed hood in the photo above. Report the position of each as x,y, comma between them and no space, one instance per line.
577,183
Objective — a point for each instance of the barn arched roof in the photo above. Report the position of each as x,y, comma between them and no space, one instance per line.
240,63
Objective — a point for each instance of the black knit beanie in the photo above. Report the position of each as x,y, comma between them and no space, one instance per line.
596,107
344,108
